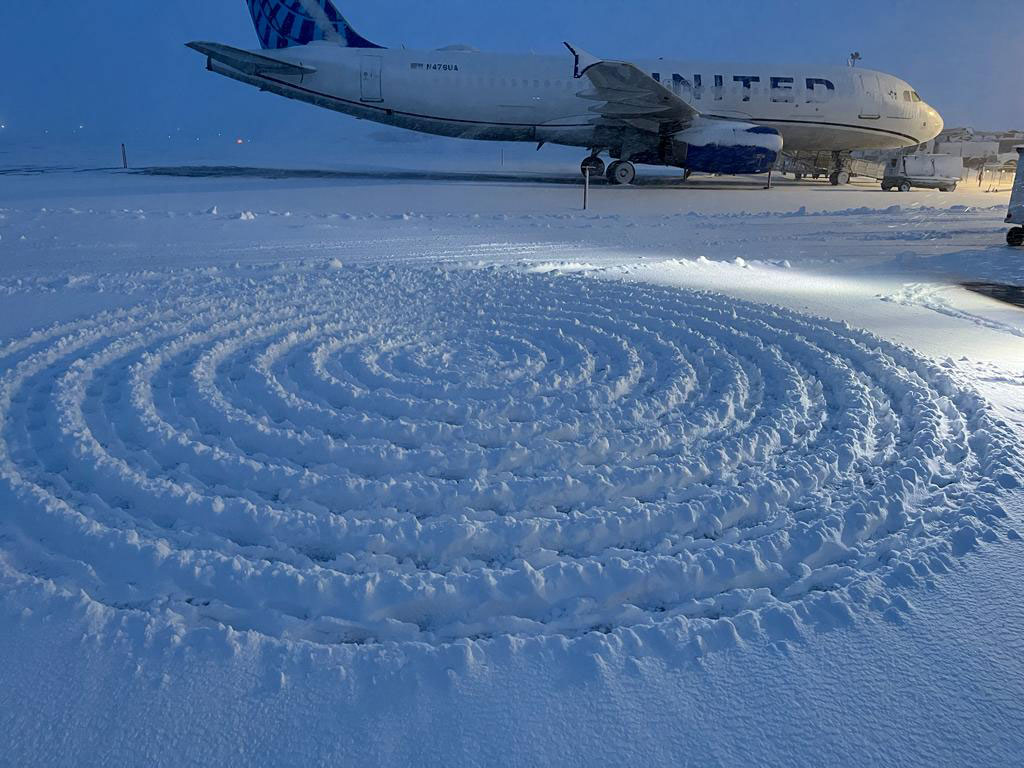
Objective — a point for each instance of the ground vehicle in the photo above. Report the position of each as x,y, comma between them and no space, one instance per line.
1015,236
942,172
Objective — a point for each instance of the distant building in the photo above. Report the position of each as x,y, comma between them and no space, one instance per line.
977,148
989,150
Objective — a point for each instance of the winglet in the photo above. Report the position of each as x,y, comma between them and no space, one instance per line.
584,60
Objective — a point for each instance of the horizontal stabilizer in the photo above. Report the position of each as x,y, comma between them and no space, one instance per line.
248,62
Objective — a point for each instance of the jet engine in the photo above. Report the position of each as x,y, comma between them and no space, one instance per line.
718,146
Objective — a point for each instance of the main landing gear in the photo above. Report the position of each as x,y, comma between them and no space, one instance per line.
1015,237
595,164
621,172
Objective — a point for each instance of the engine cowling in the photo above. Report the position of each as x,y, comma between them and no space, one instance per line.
717,146
726,146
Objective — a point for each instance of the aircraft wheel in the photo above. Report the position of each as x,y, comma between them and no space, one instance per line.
595,164
905,186
621,172
1015,237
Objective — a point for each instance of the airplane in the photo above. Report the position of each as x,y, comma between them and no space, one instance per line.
698,116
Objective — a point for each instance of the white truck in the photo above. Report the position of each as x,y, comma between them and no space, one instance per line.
1015,236
942,172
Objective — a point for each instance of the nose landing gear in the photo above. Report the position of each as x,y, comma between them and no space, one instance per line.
840,174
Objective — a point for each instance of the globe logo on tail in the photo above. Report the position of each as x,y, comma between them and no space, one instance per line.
290,23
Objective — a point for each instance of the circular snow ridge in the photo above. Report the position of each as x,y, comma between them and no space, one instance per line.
365,455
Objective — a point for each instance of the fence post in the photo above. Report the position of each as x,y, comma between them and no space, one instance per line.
124,156
586,187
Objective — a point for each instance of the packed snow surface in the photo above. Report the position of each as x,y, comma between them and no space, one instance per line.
329,478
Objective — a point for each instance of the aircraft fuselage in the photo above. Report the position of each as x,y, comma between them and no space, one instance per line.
509,97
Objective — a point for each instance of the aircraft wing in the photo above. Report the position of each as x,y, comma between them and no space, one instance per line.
625,94
249,63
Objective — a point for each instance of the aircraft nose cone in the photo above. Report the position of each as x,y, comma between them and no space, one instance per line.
934,121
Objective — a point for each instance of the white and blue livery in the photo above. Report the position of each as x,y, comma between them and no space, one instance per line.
694,115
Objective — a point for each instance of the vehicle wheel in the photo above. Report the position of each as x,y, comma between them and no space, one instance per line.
886,188
687,173
596,165
1015,237
798,177
833,179
905,186
844,178
621,172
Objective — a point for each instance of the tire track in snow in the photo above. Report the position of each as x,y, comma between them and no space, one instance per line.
429,455
930,296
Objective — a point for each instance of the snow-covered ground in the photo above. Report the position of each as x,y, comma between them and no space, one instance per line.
330,468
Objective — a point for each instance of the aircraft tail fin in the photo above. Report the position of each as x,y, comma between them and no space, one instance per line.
289,23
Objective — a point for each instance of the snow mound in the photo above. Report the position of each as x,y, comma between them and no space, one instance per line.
431,455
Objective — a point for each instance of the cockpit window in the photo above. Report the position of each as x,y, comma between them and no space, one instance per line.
916,98
907,96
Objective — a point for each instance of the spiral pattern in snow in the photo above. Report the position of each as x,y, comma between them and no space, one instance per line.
363,455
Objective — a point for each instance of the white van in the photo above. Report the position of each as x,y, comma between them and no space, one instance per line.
942,172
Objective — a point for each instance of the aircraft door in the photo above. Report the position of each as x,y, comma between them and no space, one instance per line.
370,85
870,97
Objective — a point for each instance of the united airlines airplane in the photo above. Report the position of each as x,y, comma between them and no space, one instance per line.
693,115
